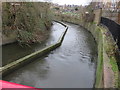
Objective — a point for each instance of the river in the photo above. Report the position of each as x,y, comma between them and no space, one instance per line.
72,65
14,51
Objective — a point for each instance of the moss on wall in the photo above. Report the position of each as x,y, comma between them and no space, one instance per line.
106,45
99,71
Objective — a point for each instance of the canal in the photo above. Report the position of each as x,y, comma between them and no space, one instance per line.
14,51
72,65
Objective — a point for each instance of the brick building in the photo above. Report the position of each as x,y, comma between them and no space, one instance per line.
110,8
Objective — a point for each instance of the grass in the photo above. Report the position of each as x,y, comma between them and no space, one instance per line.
115,70
113,64
99,70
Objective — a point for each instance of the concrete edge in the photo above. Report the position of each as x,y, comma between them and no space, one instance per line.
29,58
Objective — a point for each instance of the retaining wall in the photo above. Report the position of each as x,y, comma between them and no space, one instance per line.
107,73
30,58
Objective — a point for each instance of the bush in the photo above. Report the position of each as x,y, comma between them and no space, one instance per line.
27,19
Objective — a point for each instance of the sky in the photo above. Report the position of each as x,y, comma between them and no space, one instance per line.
71,2
75,2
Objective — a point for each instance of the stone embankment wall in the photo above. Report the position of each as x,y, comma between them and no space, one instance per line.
107,73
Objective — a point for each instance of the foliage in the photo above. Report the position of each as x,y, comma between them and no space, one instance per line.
27,19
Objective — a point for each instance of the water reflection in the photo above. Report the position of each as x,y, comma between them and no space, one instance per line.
25,76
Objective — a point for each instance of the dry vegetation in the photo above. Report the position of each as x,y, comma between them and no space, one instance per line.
29,20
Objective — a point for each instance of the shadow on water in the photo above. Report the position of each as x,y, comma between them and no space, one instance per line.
72,65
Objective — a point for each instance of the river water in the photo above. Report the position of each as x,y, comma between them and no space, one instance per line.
12,52
72,65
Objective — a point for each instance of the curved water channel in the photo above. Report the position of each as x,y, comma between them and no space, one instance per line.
12,52
72,65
